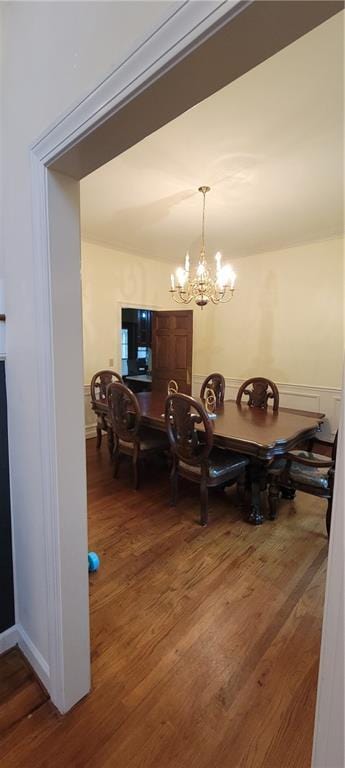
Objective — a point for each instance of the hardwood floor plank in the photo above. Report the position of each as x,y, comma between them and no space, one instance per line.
205,642
20,691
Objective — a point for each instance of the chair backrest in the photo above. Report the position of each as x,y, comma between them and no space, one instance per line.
334,447
182,415
124,412
100,383
259,391
216,382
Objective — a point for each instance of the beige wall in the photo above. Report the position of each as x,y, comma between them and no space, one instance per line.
111,278
285,321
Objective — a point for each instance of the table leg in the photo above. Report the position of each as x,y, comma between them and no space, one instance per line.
255,516
111,442
288,492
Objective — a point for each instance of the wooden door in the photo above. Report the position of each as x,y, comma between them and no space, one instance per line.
172,349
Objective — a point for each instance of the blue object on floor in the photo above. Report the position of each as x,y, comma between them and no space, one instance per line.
94,561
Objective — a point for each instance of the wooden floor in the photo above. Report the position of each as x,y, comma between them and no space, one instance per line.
205,642
20,691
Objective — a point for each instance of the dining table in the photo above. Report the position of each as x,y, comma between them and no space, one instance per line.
261,434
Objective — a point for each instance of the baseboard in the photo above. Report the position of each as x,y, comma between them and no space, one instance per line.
90,419
90,431
8,638
35,658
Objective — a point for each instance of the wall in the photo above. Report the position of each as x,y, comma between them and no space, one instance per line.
285,321
109,279
54,54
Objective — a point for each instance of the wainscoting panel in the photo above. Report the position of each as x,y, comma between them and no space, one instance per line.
302,398
90,419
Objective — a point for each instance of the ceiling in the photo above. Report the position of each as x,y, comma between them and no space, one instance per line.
270,145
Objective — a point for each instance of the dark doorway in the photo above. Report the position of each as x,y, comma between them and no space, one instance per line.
136,346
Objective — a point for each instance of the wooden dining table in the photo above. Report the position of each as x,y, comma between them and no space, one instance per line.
261,434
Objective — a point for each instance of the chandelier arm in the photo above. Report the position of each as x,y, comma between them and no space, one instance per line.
227,297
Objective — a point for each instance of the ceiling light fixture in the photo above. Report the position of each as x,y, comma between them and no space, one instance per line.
203,286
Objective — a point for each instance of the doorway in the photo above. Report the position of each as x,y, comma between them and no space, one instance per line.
75,146
136,348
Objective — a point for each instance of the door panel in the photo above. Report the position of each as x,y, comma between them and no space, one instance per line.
172,348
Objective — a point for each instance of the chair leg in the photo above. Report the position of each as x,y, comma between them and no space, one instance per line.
110,435
99,438
174,482
273,496
329,516
288,492
241,486
203,502
116,459
136,468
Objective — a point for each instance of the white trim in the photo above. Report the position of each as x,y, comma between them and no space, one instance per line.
8,638
38,663
90,431
328,746
287,386
180,32
16,635
48,456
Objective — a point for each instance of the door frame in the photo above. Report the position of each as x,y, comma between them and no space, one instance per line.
181,36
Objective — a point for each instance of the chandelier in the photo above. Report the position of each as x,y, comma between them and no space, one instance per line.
203,286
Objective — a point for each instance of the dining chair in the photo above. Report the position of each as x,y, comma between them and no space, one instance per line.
99,403
194,456
259,391
130,437
304,471
216,382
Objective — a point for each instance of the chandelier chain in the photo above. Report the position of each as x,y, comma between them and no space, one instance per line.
203,222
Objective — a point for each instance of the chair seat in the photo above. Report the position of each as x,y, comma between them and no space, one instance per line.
222,463
149,440
314,476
